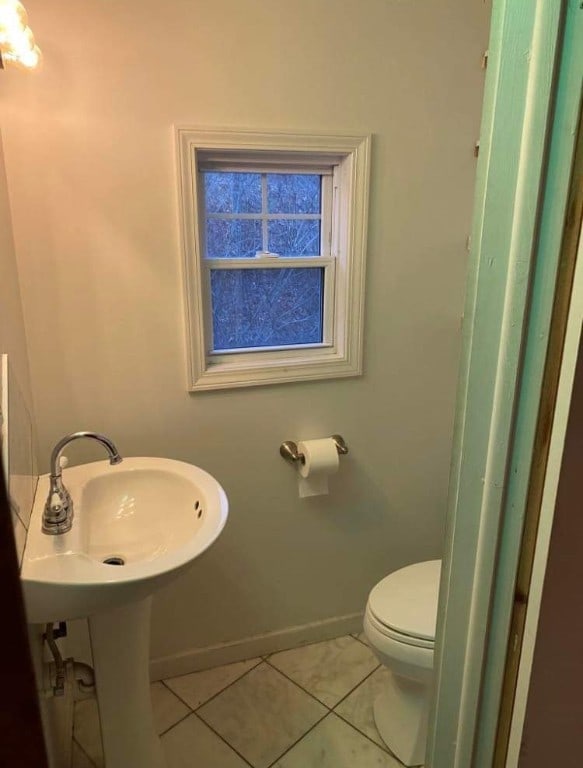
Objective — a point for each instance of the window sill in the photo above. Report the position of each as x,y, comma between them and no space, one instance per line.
302,365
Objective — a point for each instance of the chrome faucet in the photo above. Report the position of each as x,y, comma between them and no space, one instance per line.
58,512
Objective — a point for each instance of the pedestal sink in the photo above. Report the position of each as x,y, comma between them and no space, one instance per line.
137,525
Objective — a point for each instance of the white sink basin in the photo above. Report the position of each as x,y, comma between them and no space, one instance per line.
155,515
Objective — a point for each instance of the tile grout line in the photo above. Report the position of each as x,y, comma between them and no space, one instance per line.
261,659
218,735
218,693
383,746
384,749
182,719
303,736
190,709
265,660
198,717
331,709
91,761
351,691
304,690
329,712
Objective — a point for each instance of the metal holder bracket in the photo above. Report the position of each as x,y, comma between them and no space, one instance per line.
289,450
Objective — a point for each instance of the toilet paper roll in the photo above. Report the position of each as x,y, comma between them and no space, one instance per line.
320,461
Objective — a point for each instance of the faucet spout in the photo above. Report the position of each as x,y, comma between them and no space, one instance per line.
58,512
114,457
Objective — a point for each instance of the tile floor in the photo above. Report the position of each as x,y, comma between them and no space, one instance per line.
310,707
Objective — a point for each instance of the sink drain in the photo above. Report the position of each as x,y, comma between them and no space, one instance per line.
114,560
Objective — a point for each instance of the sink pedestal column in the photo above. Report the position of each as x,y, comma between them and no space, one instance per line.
120,641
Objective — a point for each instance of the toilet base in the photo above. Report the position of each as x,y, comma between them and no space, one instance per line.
401,713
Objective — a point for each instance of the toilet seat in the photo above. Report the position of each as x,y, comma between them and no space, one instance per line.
399,637
403,605
413,662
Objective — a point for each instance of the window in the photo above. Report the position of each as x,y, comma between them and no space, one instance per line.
274,239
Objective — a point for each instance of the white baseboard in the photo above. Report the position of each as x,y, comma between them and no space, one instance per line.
196,659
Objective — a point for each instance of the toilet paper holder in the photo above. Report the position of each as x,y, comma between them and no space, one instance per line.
289,449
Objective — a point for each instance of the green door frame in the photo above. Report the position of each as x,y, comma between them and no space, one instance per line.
531,110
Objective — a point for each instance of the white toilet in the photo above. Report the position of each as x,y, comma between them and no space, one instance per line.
399,623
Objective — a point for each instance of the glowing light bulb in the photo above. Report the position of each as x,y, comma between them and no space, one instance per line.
13,19
21,40
17,45
30,59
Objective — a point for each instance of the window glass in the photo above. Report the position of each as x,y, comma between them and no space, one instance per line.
266,307
232,192
232,238
293,193
294,237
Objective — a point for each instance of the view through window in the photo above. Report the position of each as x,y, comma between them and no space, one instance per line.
264,215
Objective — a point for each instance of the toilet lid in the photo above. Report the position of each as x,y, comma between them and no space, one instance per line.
406,600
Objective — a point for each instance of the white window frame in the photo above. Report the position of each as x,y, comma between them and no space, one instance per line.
340,353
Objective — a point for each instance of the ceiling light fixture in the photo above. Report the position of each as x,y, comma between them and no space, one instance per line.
17,46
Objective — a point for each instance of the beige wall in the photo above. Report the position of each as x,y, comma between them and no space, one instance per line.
22,480
12,333
13,343
90,156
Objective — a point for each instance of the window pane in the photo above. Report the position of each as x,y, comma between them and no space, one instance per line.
293,193
232,238
294,237
266,307
232,192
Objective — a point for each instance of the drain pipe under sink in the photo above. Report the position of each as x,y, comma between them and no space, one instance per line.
78,675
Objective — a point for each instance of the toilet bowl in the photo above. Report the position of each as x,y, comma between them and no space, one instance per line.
399,623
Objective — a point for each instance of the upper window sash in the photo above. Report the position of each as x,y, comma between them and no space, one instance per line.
325,216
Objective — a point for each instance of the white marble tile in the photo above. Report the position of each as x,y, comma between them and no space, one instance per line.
167,708
328,670
363,638
79,758
198,687
262,714
335,744
87,731
358,707
192,743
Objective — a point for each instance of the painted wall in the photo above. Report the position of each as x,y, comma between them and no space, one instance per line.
91,165
19,444
20,439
